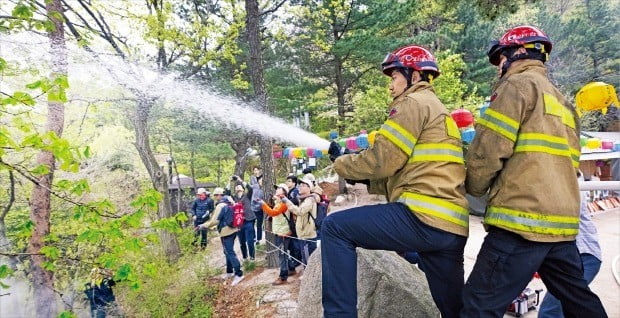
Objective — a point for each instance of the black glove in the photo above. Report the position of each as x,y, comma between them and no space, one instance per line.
334,151
353,182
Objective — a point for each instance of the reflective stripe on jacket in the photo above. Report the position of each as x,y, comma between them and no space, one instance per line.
416,159
525,151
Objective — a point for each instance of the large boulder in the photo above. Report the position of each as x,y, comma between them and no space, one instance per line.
387,286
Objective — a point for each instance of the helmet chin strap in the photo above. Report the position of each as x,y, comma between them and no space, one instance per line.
407,73
531,52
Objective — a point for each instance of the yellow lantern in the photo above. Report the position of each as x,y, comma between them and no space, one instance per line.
596,96
371,137
593,143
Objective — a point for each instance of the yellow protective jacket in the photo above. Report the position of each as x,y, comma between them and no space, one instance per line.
526,151
417,160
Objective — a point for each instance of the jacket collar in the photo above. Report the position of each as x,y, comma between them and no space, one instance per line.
419,86
521,66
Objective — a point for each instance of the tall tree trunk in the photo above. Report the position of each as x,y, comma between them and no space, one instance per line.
40,202
158,177
592,46
258,82
179,192
240,147
5,242
340,94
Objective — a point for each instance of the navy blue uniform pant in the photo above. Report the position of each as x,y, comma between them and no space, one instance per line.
506,264
392,227
551,306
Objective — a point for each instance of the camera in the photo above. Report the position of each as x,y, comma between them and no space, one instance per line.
233,178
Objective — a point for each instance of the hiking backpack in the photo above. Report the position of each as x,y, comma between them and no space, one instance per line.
321,213
238,217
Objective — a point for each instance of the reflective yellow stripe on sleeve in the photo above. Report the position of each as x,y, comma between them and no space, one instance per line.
554,107
500,124
534,142
436,207
398,135
574,155
437,152
553,145
532,222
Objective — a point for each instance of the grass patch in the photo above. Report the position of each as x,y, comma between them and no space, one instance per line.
177,290
249,266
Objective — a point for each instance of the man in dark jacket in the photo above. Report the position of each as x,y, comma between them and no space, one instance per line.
201,210
294,247
99,293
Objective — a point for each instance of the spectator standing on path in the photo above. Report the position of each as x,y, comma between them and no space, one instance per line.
416,161
256,182
294,247
246,234
228,233
305,213
281,229
526,154
201,209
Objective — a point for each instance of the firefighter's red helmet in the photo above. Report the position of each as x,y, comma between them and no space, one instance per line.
411,56
519,36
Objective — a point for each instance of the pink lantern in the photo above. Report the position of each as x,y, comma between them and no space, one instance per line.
607,144
277,154
351,144
310,153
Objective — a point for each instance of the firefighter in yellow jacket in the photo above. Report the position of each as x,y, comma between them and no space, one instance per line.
416,161
526,153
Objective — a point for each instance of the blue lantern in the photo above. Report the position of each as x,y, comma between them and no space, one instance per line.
468,135
362,141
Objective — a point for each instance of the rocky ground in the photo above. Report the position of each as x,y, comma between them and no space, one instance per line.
255,296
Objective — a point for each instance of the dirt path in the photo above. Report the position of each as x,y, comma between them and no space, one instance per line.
255,296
